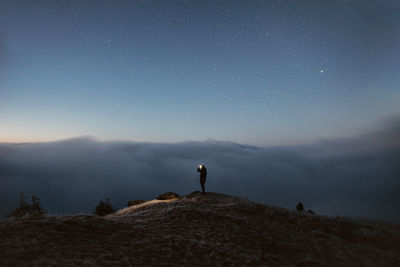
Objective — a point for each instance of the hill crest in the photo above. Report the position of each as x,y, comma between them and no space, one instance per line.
200,230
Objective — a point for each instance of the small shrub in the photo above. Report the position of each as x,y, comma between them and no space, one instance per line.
104,208
25,209
167,195
135,202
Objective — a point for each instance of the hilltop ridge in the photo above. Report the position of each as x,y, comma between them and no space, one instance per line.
200,230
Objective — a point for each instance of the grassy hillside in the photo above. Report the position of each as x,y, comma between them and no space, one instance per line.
196,229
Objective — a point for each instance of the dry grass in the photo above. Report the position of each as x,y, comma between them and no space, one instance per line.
199,230
131,209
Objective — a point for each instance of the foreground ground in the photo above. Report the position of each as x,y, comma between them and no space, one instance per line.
199,230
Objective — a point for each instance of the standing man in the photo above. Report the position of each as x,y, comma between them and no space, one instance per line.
203,176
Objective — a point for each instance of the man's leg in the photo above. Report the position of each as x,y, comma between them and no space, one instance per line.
202,188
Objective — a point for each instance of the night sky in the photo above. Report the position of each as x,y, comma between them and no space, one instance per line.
283,101
255,72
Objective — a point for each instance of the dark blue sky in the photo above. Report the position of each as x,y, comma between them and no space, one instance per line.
257,72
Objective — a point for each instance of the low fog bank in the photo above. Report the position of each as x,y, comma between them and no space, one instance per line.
348,177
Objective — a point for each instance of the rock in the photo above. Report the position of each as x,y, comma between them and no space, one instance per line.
193,194
167,195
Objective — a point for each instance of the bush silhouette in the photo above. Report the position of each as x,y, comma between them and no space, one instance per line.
104,208
25,209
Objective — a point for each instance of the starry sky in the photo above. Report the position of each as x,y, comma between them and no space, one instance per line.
254,72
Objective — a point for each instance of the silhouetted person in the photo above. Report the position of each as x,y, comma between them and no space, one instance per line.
300,206
203,176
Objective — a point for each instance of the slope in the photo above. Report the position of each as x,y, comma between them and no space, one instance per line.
200,230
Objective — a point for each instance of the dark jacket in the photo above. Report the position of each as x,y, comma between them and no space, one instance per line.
203,173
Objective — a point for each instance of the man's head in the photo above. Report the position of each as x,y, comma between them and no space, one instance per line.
201,168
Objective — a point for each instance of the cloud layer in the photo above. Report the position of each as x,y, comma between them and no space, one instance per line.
351,177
